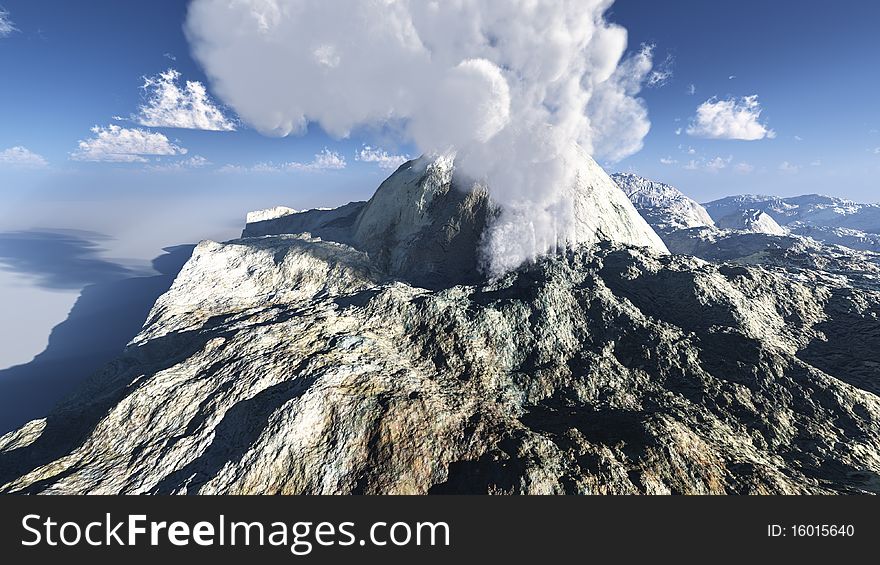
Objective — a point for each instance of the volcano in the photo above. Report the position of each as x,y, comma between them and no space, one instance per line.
363,350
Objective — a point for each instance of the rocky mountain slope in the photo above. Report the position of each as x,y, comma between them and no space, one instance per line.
753,221
663,206
289,363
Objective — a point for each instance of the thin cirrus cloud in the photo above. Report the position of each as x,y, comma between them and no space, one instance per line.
787,167
385,160
714,165
20,157
171,105
662,73
191,163
116,144
6,25
730,119
326,160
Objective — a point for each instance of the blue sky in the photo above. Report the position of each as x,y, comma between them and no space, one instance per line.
812,66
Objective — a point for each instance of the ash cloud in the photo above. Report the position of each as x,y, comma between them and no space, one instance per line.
511,86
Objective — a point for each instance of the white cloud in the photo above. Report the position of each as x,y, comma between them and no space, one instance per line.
264,167
798,138
744,168
22,158
787,167
877,151
692,89
730,119
381,157
661,73
6,25
691,151
124,145
172,106
230,168
677,131
194,162
668,161
711,166
718,163
816,163
169,56
326,160
731,77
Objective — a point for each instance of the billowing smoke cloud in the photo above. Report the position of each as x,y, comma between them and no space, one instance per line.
510,85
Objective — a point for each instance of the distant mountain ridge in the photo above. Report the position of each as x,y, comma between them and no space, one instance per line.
825,219
810,209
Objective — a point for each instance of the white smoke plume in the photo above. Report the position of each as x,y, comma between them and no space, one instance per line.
510,85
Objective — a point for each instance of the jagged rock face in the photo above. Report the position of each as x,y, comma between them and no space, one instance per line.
753,221
664,207
424,224
286,364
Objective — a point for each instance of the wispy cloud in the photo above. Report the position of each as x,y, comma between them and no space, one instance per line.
326,160
718,163
188,164
19,157
116,144
712,165
787,167
692,89
667,161
7,28
171,105
662,73
744,168
730,119
381,157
